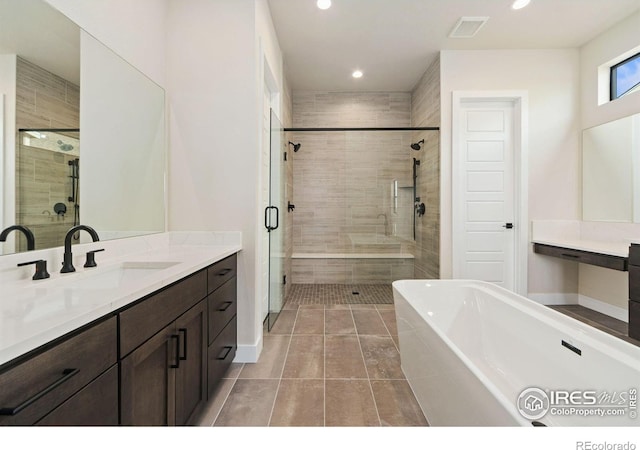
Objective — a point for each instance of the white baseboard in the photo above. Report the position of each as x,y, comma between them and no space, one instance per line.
248,353
576,299
554,299
605,308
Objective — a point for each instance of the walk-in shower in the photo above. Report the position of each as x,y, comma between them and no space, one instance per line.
47,189
355,191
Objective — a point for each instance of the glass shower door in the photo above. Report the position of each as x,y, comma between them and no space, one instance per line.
274,216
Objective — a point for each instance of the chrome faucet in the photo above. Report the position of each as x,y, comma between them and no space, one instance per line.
31,240
67,265
386,231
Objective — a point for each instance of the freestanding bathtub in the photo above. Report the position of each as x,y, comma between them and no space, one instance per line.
476,354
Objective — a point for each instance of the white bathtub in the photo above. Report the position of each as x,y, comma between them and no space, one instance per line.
470,348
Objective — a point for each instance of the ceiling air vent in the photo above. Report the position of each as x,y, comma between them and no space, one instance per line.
467,27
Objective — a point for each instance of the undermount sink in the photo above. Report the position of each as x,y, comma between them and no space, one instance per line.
121,274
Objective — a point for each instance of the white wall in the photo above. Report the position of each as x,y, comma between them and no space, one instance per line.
609,45
551,78
214,79
605,285
135,29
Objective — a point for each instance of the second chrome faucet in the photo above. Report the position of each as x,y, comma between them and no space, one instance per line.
67,264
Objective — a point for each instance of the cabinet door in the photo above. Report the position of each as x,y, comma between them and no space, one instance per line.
148,381
95,405
191,383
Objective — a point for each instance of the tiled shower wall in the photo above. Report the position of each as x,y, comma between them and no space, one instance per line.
287,122
343,187
425,112
44,101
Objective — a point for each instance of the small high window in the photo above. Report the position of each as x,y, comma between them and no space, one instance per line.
625,77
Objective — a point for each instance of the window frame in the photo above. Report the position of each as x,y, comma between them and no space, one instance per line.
613,84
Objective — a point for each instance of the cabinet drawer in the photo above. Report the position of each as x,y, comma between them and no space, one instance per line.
634,254
221,272
95,405
33,388
634,283
634,319
223,306
596,259
143,320
221,354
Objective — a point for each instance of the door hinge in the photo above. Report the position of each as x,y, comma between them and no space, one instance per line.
285,156
284,279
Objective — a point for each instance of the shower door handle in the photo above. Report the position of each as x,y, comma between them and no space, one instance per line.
267,216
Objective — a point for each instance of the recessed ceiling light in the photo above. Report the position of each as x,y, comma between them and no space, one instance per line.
357,74
324,4
519,4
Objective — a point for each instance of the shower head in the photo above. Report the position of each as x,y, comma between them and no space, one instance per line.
296,147
418,145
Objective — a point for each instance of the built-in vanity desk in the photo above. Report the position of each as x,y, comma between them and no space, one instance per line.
143,339
604,254
617,255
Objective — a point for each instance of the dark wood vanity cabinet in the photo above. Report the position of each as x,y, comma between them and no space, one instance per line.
163,381
155,362
72,381
634,291
222,303
167,373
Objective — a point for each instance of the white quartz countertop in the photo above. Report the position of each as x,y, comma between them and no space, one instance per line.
33,313
605,248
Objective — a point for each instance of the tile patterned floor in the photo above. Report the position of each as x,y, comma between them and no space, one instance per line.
340,294
321,365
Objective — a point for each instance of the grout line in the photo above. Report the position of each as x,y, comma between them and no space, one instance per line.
275,398
375,403
225,401
324,368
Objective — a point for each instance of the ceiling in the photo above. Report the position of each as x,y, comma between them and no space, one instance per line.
394,41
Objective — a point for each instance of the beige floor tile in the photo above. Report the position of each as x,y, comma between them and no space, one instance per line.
215,403
343,357
349,403
234,370
271,361
299,403
389,319
285,322
381,357
312,306
339,322
249,403
309,321
385,307
369,322
396,404
362,306
305,358
327,307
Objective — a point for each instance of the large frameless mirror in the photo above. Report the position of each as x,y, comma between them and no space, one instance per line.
76,149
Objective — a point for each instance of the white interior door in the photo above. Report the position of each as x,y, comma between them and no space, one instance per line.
484,237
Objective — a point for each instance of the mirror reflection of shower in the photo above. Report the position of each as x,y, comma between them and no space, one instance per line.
47,182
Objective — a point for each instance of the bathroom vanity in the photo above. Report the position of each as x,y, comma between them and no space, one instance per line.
634,291
145,350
